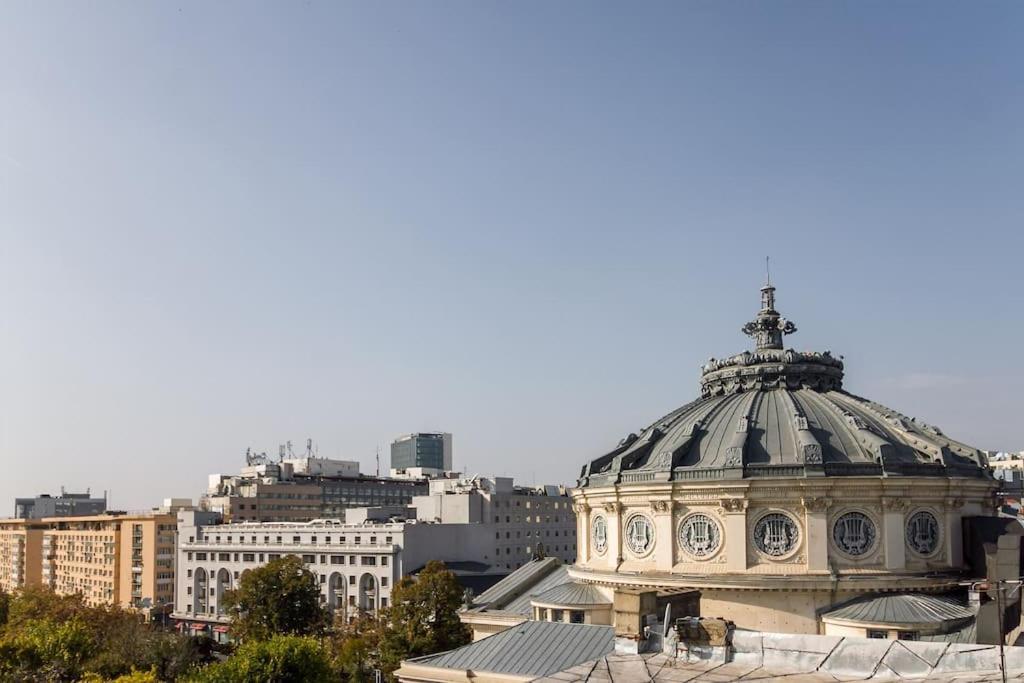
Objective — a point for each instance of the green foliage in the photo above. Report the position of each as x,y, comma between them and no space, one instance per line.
279,659
44,650
356,648
281,597
423,617
49,637
5,606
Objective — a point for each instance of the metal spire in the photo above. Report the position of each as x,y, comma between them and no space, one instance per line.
767,329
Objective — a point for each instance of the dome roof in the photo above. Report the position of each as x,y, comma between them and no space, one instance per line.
776,412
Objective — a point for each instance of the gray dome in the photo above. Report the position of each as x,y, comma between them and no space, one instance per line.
777,412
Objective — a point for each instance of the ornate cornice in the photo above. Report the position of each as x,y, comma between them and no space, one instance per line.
894,504
734,504
661,506
818,504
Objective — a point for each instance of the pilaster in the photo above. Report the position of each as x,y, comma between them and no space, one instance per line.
613,512
735,511
583,540
664,546
893,532
816,525
953,533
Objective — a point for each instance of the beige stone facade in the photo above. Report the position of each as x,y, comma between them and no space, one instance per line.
20,553
110,559
738,581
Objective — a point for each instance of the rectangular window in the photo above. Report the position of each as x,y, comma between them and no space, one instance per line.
383,582
337,559
906,635
384,561
369,561
873,633
248,557
352,580
201,557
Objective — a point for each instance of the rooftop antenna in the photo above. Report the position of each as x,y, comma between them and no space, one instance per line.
291,453
280,453
768,269
378,461
309,448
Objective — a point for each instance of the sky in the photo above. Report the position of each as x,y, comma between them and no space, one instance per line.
230,225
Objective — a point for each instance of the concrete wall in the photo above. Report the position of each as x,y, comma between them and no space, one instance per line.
785,612
859,658
446,542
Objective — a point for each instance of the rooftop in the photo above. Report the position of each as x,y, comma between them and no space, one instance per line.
780,412
910,609
533,648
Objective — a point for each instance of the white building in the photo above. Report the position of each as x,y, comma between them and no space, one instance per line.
355,564
523,522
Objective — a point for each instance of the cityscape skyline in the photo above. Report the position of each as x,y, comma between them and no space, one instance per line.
225,228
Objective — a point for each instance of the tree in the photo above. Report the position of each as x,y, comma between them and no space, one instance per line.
43,650
5,606
50,637
281,659
423,617
281,597
356,647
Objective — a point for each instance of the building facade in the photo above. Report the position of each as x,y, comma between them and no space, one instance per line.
21,547
302,489
110,559
427,450
64,505
524,521
356,565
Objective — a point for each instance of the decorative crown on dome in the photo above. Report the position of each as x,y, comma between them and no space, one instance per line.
770,365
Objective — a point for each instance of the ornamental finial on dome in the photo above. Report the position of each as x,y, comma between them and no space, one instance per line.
767,329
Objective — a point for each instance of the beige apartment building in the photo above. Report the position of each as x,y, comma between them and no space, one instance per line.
124,559
21,543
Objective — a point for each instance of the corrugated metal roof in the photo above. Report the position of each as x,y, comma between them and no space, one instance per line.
533,648
572,593
521,605
519,580
965,634
907,608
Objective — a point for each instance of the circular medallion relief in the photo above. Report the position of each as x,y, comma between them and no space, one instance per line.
599,532
776,534
700,536
923,533
854,533
639,534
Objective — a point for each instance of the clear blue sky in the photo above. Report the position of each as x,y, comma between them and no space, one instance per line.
232,224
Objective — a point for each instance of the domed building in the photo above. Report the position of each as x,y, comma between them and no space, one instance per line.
777,495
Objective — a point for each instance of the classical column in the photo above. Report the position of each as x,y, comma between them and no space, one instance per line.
664,539
816,525
954,534
735,510
893,533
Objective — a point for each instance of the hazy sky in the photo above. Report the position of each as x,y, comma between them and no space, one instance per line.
233,224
